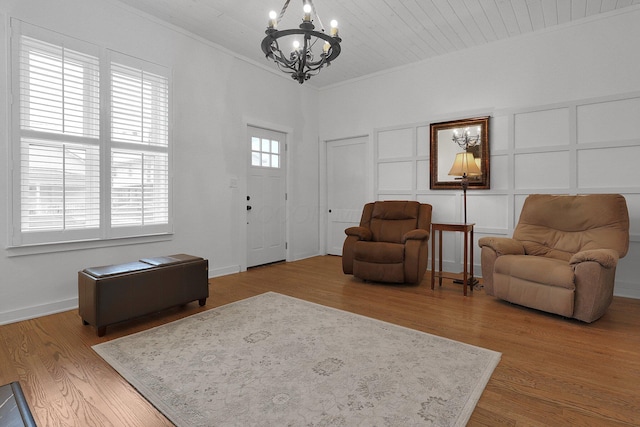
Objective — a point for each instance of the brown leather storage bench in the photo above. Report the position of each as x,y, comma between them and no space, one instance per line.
115,293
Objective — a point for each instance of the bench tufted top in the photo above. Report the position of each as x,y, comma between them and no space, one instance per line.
143,264
113,270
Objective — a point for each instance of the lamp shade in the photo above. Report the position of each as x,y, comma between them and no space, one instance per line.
465,165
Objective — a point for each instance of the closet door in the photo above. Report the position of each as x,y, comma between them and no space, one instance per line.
346,188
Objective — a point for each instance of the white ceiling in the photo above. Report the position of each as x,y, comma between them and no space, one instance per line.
377,34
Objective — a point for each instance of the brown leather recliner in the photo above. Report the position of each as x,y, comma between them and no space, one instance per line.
563,255
391,243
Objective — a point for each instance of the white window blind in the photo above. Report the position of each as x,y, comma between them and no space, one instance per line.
139,158
139,106
139,191
91,150
59,130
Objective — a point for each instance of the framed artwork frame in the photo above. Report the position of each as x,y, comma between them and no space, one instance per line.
451,138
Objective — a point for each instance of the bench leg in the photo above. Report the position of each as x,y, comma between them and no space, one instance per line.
101,331
84,322
202,301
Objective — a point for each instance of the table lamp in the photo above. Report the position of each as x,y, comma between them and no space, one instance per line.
465,166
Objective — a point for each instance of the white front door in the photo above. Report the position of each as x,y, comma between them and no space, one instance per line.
346,188
266,197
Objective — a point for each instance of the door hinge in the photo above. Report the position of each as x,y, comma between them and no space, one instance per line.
285,196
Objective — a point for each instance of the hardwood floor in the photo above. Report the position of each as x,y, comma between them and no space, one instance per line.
553,371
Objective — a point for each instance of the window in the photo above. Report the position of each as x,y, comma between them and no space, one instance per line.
91,141
265,152
139,157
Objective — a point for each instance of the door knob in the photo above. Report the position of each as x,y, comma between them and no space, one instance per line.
248,207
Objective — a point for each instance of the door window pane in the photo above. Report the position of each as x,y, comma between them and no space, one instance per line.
265,152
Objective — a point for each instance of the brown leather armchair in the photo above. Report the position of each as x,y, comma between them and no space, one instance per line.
391,243
563,255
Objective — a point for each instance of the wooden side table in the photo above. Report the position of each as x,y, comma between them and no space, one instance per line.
467,229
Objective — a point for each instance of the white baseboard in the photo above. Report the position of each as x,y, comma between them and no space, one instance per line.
302,256
32,312
622,289
27,313
223,271
627,290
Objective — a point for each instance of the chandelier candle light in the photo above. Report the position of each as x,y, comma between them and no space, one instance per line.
307,59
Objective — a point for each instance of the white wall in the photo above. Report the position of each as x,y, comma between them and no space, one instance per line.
215,96
551,96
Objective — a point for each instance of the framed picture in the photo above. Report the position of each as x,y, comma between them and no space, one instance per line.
460,149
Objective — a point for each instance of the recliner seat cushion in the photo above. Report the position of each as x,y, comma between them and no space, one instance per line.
389,273
379,252
552,299
542,283
547,271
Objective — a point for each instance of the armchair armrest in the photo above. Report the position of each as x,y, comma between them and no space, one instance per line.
360,232
417,234
502,245
607,258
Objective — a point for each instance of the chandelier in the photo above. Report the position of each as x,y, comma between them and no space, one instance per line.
465,139
311,49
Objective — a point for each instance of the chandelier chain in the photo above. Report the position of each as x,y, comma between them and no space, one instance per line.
284,8
313,8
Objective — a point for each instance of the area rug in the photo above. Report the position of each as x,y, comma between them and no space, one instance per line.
274,360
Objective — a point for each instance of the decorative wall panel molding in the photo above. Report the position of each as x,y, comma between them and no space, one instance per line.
576,147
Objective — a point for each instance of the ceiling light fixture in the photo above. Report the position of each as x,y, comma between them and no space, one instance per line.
306,59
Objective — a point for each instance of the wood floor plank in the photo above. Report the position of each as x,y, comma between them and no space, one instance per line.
554,371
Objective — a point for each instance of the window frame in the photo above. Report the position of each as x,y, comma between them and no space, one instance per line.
25,242
131,231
